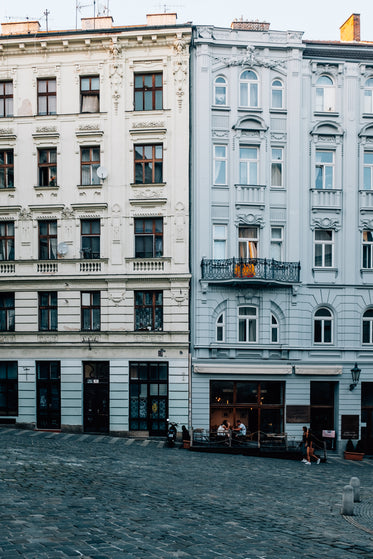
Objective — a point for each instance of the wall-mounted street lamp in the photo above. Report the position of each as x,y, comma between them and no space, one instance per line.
355,373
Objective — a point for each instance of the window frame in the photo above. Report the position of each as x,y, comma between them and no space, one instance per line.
323,243
7,169
89,93
9,386
368,99
90,322
154,306
91,235
277,241
47,171
249,88
49,237
223,85
249,166
145,164
91,164
367,250
275,328
5,98
156,236
220,165
250,244
7,241
325,95
367,319
220,327
277,163
48,310
219,240
324,318
274,89
144,89
322,167
7,312
367,167
49,96
246,320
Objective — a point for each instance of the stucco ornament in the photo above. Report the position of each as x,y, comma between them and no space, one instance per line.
326,223
116,77
180,70
250,58
250,219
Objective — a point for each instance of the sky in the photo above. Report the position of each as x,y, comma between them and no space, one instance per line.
318,19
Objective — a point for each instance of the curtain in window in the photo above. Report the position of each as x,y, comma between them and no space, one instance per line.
90,104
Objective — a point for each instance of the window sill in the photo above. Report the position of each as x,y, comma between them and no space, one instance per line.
54,187
324,113
220,108
81,186
276,188
147,184
367,115
278,111
250,109
7,188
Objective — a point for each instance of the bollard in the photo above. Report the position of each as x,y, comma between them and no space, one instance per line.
348,500
355,484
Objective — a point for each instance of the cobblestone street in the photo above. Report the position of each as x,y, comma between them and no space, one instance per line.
96,497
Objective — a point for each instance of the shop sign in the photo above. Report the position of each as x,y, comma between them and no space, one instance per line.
297,414
350,427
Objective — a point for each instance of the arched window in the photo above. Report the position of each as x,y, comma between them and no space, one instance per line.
277,94
220,328
274,330
249,89
368,327
220,91
247,324
323,326
368,96
325,94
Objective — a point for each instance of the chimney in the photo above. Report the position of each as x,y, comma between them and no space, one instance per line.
20,28
104,22
240,24
350,30
160,20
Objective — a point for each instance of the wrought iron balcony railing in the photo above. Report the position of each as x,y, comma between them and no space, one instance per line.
241,270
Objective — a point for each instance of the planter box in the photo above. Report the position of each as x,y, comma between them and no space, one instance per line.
353,455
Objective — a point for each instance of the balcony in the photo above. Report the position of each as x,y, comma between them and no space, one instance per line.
60,267
250,195
326,199
157,266
238,271
366,200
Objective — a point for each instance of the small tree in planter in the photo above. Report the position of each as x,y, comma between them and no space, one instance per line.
351,453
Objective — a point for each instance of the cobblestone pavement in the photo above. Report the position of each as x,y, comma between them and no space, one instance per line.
100,497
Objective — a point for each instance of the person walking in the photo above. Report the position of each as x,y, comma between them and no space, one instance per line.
310,449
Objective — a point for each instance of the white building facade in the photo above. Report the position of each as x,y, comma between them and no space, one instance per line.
94,218
281,233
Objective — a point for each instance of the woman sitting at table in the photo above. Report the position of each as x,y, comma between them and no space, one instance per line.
223,429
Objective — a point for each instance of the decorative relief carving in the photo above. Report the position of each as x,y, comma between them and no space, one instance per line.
46,129
179,295
48,339
89,127
148,193
279,136
6,131
25,214
180,71
251,58
149,124
250,219
116,297
116,77
366,224
220,134
325,223
67,213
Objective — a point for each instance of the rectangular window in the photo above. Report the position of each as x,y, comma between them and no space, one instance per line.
8,388
48,311
47,96
148,237
368,170
367,249
6,168
277,240
91,311
47,165
47,240
148,164
90,94
324,248
324,178
220,164
148,92
249,165
7,312
277,167
7,240
248,242
90,238
149,310
6,99
89,163
247,324
220,242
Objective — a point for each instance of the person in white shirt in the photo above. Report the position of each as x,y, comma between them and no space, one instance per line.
240,429
223,428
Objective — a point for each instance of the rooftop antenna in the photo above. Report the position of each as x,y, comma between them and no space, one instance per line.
168,7
46,13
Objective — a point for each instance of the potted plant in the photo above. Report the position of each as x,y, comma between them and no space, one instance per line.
351,453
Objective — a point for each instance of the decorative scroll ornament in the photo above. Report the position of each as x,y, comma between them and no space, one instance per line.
325,223
366,224
179,295
250,59
116,297
250,219
149,124
180,70
67,213
25,213
116,76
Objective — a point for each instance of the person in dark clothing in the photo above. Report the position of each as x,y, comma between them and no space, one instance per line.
186,435
310,449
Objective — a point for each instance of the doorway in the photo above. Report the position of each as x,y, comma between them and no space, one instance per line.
367,416
48,388
149,397
96,396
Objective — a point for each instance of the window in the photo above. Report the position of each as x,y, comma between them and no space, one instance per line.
368,96
47,96
367,249
249,165
277,167
249,89
149,310
324,169
277,94
368,170
220,328
220,242
6,168
91,311
148,164
368,327
90,94
149,237
47,240
7,312
220,164
48,311
324,248
148,397
6,99
90,162
248,241
148,92
274,330
323,320
47,164
277,239
90,238
7,240
325,94
8,388
220,91
247,324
